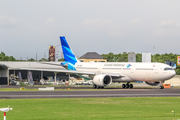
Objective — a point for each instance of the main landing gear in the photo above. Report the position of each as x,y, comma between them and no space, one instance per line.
127,86
98,87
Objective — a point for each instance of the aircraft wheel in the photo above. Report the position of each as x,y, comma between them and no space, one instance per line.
102,87
127,86
123,86
98,87
161,87
94,86
131,86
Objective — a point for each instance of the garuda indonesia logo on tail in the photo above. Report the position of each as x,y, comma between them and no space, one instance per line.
69,57
129,65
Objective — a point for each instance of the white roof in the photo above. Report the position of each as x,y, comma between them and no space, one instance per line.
35,65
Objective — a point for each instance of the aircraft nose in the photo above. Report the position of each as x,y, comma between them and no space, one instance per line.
173,73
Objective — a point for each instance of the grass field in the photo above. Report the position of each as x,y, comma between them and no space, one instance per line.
140,108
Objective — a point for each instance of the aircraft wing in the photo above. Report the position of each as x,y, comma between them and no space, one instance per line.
52,63
113,74
73,72
63,71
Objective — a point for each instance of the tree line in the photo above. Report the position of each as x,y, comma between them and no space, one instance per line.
4,57
123,57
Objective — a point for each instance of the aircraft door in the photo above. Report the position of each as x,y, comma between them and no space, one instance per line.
156,72
156,69
99,69
133,69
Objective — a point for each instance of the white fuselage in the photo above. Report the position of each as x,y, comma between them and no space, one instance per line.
129,72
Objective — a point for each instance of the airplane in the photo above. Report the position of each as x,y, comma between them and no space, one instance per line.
104,73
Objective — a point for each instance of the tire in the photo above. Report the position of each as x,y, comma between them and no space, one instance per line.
127,86
123,86
131,86
94,86
102,87
98,87
161,87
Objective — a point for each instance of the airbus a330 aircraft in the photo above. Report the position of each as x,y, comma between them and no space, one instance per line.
104,73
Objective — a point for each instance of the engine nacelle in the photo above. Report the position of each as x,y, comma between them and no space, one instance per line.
102,80
153,83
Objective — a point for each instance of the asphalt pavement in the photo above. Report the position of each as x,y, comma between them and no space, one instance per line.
91,94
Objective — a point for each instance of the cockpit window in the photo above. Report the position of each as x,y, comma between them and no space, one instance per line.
168,69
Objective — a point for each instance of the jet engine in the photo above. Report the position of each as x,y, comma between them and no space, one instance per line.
153,83
102,80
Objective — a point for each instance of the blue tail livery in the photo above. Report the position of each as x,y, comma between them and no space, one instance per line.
69,57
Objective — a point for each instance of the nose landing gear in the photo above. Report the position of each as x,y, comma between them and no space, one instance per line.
161,87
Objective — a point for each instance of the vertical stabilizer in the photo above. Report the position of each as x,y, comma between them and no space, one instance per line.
69,56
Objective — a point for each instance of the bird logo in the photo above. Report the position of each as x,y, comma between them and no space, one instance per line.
129,65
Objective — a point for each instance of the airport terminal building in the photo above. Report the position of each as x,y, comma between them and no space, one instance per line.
23,71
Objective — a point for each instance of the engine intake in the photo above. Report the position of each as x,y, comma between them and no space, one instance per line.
102,80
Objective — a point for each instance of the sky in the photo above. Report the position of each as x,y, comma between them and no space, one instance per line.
28,27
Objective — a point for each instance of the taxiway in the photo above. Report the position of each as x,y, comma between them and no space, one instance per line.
91,94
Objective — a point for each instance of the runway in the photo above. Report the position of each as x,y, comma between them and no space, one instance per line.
91,94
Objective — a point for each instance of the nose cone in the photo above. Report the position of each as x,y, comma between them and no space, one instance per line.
173,73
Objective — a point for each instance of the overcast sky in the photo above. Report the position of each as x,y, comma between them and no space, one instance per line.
102,26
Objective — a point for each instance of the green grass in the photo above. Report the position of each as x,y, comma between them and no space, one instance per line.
16,89
142,108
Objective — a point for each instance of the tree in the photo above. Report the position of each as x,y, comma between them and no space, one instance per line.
3,54
43,59
61,60
31,59
3,57
138,57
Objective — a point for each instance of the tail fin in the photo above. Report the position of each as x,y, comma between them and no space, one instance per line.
69,57
174,67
